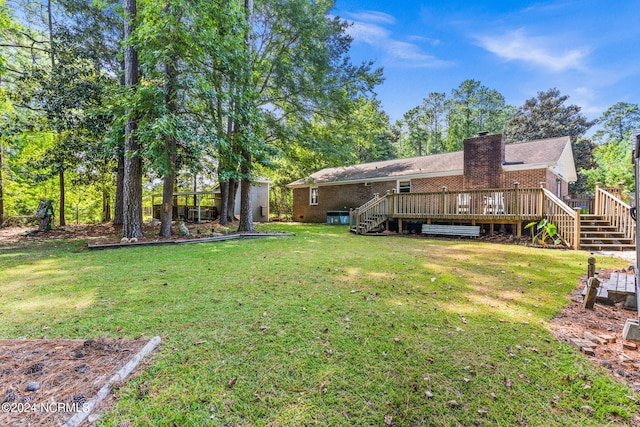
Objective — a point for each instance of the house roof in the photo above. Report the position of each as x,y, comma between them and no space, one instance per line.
540,153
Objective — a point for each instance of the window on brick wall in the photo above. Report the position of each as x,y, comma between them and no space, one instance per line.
313,196
404,186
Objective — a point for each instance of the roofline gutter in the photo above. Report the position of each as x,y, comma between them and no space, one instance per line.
379,179
516,167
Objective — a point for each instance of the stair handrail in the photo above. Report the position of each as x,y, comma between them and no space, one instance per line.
370,202
355,213
566,220
613,209
376,206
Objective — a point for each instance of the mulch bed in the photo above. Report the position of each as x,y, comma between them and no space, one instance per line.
574,320
108,234
64,373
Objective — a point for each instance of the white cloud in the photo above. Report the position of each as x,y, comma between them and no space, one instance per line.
432,42
367,33
406,50
369,27
541,51
586,98
372,16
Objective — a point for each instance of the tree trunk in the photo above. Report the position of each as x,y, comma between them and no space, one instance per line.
106,205
231,197
1,187
117,211
170,150
195,189
166,215
51,44
132,183
52,57
117,215
224,202
132,187
246,211
62,220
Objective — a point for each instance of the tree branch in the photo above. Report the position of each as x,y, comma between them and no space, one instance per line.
19,46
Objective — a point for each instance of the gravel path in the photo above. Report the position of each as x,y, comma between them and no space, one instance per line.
629,256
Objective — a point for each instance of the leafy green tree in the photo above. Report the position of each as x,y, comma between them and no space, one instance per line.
615,165
6,22
57,87
364,135
474,108
618,123
440,124
614,146
370,132
298,66
436,108
95,31
163,39
230,79
413,131
424,126
583,155
548,116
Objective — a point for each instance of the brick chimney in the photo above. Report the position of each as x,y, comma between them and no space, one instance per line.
483,160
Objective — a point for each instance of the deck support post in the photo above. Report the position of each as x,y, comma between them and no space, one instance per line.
592,293
591,269
392,201
399,225
596,202
516,209
444,200
576,230
543,185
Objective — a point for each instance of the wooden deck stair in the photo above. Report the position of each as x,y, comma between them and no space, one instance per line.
596,234
370,224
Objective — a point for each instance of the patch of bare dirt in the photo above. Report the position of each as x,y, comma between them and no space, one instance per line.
619,357
44,382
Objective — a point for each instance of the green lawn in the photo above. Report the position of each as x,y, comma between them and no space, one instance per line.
324,328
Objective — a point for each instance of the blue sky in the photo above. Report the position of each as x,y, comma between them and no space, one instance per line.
589,50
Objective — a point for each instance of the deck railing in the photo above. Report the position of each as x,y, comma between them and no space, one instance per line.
581,201
514,205
611,207
500,203
566,220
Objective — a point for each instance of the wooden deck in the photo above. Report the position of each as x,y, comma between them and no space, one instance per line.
615,289
492,206
515,206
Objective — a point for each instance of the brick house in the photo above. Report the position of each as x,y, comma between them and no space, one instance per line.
485,163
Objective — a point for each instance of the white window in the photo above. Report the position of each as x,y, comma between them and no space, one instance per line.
313,196
404,186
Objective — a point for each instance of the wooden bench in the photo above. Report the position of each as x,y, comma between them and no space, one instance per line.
451,230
